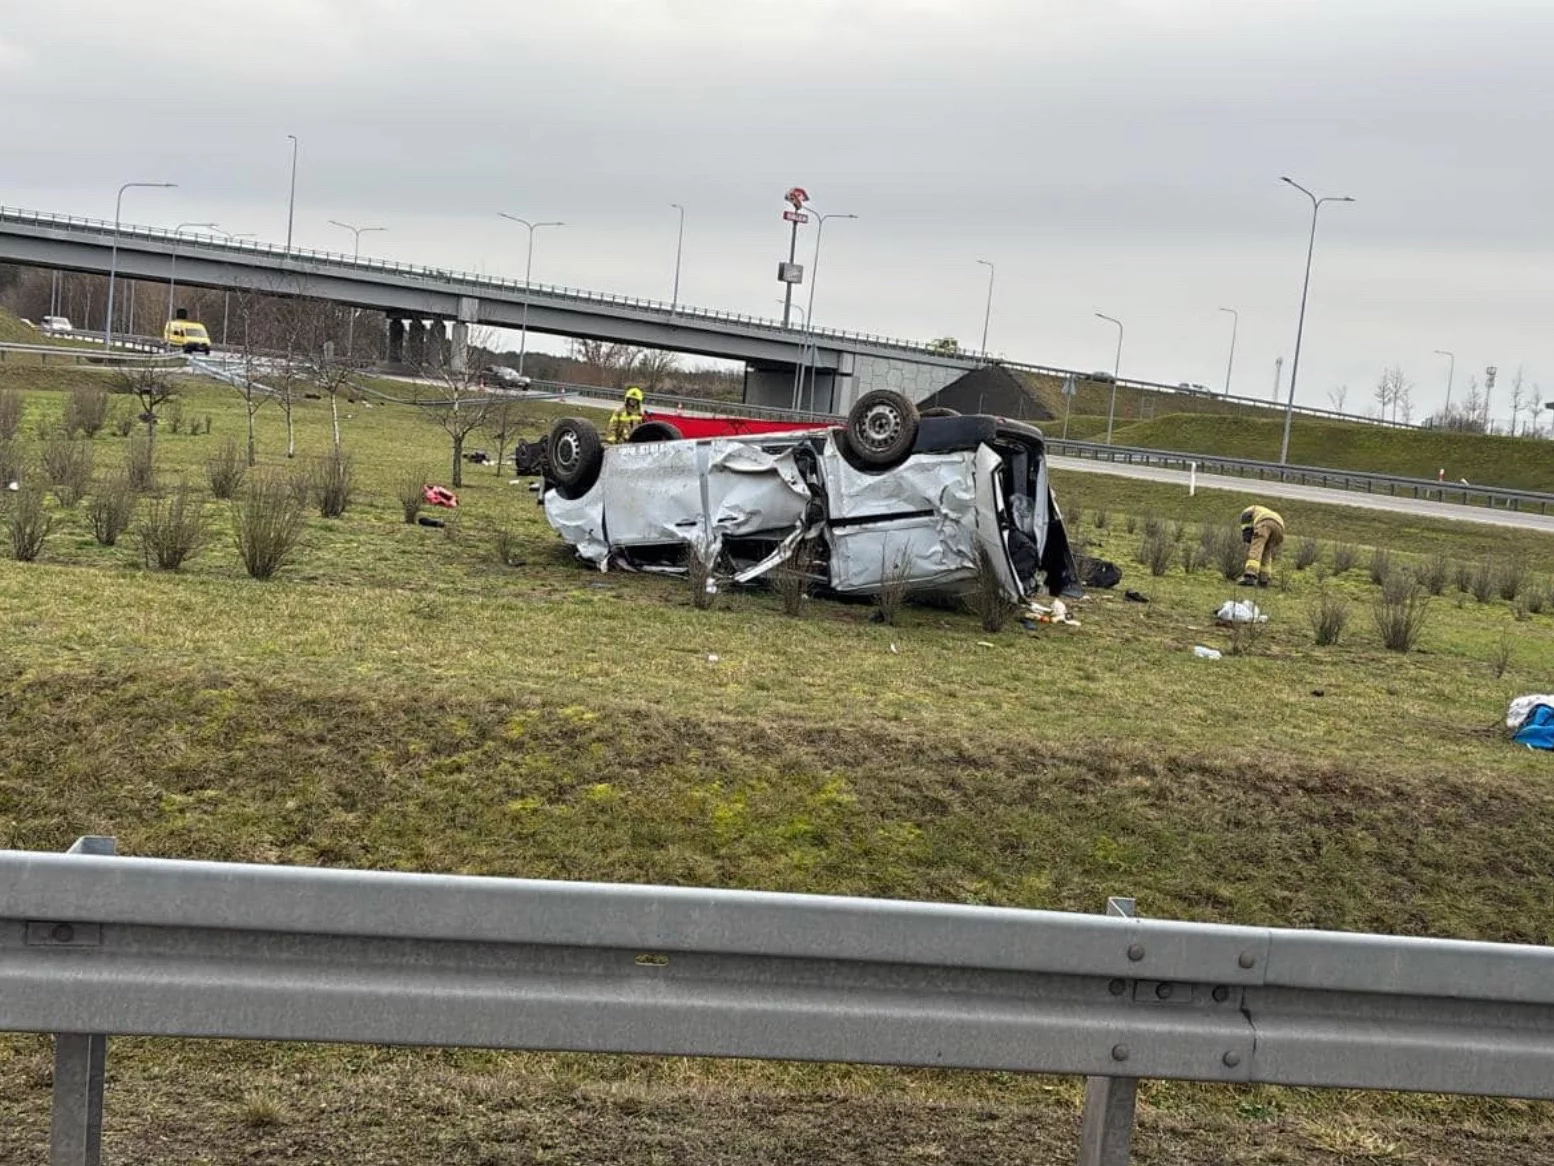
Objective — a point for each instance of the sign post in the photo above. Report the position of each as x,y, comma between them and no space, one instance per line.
790,273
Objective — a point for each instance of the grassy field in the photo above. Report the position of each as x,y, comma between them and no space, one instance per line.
401,699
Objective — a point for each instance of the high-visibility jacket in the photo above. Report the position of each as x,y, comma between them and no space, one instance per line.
1253,515
622,423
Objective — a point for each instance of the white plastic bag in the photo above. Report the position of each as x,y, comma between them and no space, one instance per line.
1239,611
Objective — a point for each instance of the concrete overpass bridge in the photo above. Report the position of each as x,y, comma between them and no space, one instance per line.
424,305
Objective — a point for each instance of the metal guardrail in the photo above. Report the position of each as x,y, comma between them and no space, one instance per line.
92,356
1356,480
93,945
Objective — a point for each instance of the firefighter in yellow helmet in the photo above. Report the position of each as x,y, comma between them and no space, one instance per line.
1263,532
627,417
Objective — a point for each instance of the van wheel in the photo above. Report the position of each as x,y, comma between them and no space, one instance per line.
939,411
881,429
575,454
656,431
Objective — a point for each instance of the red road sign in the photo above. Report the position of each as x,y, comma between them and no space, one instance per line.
795,216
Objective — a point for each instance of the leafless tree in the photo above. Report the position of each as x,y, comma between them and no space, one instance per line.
1389,390
251,308
1338,396
1535,409
152,385
454,400
606,364
1404,403
504,421
1518,398
655,366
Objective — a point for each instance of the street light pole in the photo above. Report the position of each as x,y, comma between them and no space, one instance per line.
809,312
987,316
113,255
679,245
291,205
1300,327
1450,370
1111,410
226,296
1235,326
356,254
172,267
528,267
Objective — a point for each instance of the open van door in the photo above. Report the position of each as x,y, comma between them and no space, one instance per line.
993,520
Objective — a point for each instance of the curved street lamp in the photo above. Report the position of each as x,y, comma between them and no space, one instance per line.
172,267
806,349
528,267
1111,410
987,315
1300,327
113,256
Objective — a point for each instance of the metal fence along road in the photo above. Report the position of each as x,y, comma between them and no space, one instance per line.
93,946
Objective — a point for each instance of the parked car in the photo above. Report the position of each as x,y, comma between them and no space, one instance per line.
887,497
499,376
55,326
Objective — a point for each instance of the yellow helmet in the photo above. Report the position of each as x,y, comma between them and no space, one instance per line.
633,394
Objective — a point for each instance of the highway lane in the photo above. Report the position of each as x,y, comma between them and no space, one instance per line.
1247,488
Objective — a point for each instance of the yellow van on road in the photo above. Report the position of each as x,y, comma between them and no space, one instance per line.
186,336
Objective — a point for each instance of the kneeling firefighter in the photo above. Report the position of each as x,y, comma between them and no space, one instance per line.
1263,532
625,419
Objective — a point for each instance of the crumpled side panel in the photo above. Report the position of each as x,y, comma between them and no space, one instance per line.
581,522
915,485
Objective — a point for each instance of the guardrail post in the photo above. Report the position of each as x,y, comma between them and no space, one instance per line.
76,1133
1107,1135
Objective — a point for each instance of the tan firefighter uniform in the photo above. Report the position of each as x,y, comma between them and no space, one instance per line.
1263,532
626,418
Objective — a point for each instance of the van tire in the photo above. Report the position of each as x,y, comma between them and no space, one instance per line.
656,431
881,429
575,455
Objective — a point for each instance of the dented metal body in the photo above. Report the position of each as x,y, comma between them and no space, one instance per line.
975,489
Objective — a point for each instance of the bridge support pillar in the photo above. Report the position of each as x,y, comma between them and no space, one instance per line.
416,346
459,361
396,340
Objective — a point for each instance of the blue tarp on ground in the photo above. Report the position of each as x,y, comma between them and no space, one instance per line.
1537,731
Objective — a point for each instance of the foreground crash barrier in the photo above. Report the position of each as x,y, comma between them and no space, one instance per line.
94,946
890,498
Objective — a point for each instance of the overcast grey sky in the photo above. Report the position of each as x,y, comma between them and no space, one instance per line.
1112,155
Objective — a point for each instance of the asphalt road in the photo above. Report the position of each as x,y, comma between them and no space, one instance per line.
1417,508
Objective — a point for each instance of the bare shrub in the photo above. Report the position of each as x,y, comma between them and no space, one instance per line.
1519,609
172,415
10,413
701,574
1464,574
1485,580
1432,573
1381,565
1156,552
123,424
505,545
111,507
892,594
1537,595
225,470
1500,656
300,483
1245,635
267,522
1131,523
1178,531
1329,616
67,465
987,599
1511,576
1345,556
1154,527
140,462
333,484
411,493
86,410
1101,519
1400,612
794,578
1229,552
1193,557
1307,552
11,461
174,528
28,523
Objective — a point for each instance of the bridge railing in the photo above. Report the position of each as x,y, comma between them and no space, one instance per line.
93,945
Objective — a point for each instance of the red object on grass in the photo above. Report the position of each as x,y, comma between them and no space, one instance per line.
440,496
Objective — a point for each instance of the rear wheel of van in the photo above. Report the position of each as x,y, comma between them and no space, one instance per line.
881,429
656,431
575,454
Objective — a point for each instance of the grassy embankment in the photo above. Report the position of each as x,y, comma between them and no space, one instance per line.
399,700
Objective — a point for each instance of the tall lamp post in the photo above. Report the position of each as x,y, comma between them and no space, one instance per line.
226,297
356,254
987,315
172,267
1300,327
291,205
1450,369
1111,410
113,255
528,267
1235,326
809,313
679,246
